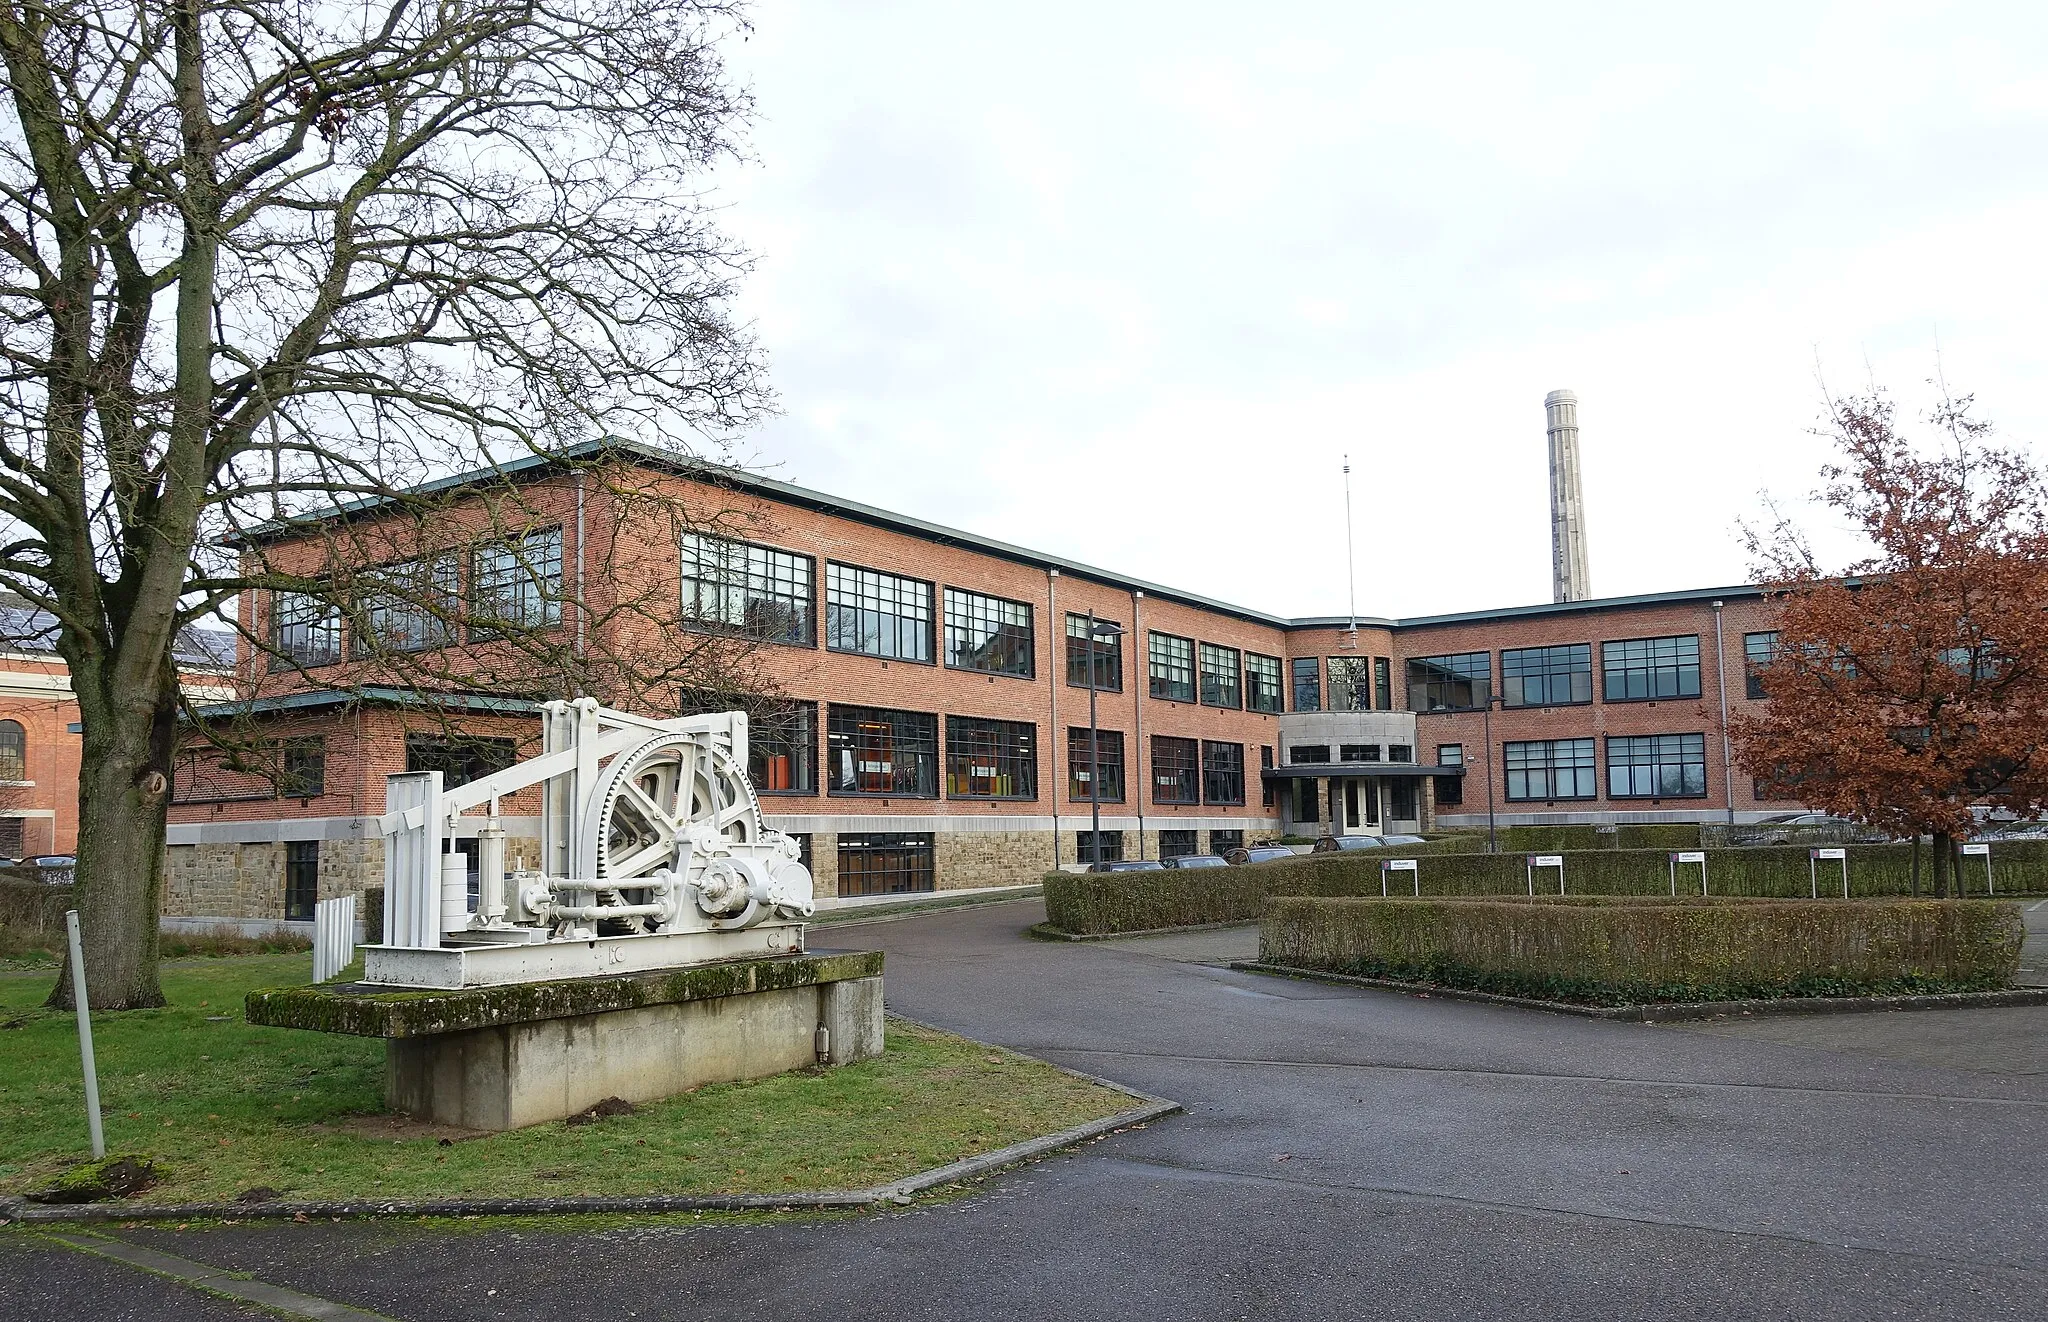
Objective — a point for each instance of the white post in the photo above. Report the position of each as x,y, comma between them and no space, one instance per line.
82,1000
1673,860
1812,876
1845,875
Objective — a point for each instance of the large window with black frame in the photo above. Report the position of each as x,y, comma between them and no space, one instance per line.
515,583
1179,844
885,862
1459,681
1759,651
1350,687
1107,652
1560,676
782,748
1171,666
301,879
1550,769
305,630
1262,683
756,591
1176,770
1220,677
1080,772
1222,773
1657,766
407,607
989,634
1098,846
880,753
991,759
1450,790
460,758
1308,683
1647,669
877,614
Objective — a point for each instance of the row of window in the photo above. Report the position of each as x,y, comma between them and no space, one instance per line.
13,751
1649,766
514,584
1317,754
897,754
1356,683
1631,670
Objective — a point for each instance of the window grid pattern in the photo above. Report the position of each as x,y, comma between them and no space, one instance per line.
1098,846
1172,667
1400,752
1112,750
409,607
1220,677
13,751
1549,769
1108,653
1179,844
877,614
460,759
876,863
991,759
988,634
1639,669
1262,683
305,630
1657,766
1383,683
1461,681
1759,650
302,768
882,753
301,879
756,591
1308,754
1222,772
782,748
1547,676
1450,755
1308,684
1176,770
1350,683
517,584
1358,752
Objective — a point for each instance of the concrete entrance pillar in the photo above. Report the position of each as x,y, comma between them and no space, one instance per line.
1428,807
1326,807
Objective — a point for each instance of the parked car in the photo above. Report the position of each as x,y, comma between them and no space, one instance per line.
55,869
2018,831
1402,840
1257,854
1331,844
1128,865
1198,861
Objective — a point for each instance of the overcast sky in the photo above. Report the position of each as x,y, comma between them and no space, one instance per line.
1124,281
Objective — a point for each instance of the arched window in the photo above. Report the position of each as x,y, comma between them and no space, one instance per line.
13,751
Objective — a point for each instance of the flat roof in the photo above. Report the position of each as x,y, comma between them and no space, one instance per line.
320,699
535,465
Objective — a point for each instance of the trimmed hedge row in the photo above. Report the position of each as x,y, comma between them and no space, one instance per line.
1630,951
1093,904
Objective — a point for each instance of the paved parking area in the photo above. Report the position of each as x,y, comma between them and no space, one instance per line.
1345,1153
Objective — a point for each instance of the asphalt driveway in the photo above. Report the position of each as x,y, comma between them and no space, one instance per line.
1345,1153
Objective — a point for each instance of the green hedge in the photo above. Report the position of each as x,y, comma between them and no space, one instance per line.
1623,951
1094,904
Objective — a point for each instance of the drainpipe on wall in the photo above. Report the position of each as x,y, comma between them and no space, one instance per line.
582,606
1721,682
1140,677
1054,621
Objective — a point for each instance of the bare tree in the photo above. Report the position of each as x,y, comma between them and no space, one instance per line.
262,258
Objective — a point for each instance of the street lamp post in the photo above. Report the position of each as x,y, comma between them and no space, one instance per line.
1492,831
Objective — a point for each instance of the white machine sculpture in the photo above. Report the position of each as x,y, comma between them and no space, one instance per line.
652,855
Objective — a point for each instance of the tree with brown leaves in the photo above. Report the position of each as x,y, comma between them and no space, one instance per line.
1912,684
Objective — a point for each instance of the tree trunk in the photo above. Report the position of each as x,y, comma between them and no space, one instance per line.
123,801
1943,856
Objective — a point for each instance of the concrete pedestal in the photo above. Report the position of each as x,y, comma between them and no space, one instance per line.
504,1057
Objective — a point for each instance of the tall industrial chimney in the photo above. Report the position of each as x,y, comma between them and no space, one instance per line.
1569,580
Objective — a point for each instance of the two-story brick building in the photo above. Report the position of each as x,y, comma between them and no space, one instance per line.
928,724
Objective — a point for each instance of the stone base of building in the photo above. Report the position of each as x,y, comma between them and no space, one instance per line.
505,1057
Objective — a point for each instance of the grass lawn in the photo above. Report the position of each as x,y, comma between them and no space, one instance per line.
225,1106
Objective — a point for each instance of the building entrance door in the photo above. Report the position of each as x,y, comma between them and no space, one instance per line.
1361,805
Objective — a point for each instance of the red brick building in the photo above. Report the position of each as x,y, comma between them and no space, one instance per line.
929,725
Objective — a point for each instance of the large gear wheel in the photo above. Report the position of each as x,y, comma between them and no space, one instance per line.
651,799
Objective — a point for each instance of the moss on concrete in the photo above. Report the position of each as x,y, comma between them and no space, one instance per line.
369,1011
